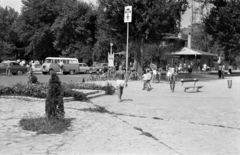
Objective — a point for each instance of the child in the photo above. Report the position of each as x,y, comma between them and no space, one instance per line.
149,75
145,80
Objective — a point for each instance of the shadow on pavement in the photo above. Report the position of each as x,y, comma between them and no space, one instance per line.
125,100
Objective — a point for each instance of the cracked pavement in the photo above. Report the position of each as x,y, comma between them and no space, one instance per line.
155,122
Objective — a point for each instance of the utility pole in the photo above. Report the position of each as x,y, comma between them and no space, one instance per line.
192,18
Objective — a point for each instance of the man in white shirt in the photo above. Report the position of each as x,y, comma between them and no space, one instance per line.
61,66
146,80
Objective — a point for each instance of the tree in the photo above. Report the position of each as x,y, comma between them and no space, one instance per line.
151,20
34,29
54,105
224,26
8,39
56,28
73,27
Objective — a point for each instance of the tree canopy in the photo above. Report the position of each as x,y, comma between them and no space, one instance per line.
76,29
151,20
223,24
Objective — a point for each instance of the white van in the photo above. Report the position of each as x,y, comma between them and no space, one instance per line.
70,65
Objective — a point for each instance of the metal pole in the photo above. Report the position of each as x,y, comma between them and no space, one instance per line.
127,48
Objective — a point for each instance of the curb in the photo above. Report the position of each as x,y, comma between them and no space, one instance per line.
99,94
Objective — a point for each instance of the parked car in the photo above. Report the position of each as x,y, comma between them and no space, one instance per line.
98,67
16,68
84,68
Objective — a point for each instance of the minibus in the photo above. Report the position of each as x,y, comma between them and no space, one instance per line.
52,64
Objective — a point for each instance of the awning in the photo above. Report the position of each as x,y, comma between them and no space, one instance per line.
189,51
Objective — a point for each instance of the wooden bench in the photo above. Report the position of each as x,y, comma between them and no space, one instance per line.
194,85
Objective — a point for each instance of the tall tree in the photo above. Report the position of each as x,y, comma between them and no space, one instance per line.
8,18
224,26
151,20
73,26
34,29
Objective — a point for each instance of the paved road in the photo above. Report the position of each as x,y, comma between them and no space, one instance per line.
155,122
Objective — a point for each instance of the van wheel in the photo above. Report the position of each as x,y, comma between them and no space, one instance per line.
72,72
19,72
51,71
87,72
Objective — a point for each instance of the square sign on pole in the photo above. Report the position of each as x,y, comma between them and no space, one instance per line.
128,14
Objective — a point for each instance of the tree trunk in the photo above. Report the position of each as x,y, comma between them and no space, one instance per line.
138,56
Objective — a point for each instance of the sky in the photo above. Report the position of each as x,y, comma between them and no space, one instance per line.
16,4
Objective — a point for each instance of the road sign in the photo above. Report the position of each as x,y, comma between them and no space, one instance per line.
128,14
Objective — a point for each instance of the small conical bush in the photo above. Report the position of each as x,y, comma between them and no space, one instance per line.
54,105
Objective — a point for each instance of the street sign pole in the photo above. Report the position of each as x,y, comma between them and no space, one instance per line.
127,19
127,48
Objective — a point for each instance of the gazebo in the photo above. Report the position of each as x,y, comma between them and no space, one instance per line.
189,54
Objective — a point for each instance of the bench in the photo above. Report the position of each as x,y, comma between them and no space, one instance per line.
193,87
189,80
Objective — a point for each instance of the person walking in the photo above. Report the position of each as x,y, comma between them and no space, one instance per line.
154,75
61,67
8,69
121,81
223,71
230,69
149,75
189,71
159,72
219,71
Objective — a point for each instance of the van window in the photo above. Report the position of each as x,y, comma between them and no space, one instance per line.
84,65
73,61
57,61
48,61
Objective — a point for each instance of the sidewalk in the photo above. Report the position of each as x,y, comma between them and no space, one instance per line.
155,122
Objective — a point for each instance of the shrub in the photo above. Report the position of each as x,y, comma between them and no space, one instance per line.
92,86
109,89
54,106
78,96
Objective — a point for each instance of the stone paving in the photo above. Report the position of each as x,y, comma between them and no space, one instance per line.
155,122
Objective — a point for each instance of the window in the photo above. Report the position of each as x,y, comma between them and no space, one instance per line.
14,64
73,61
48,61
84,65
57,61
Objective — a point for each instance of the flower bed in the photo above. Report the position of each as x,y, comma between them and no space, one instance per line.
108,88
40,90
